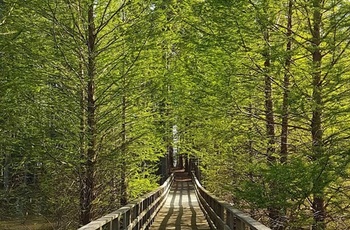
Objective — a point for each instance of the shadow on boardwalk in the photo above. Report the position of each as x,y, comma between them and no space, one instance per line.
181,209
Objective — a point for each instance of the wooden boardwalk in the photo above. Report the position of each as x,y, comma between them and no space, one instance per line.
181,209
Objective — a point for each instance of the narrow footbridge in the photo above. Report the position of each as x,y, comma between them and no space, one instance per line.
180,203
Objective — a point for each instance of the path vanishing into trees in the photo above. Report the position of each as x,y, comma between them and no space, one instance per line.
181,209
180,203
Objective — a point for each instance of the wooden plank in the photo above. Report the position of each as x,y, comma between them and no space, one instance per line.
181,209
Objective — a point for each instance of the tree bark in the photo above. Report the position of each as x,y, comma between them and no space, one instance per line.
87,195
180,163
123,189
7,172
123,177
82,143
286,83
318,206
273,211
269,113
170,157
187,164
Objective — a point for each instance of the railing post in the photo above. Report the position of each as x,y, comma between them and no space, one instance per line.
231,220
221,212
127,219
116,223
240,224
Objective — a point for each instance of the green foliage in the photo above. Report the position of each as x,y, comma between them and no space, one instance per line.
292,184
44,57
140,185
221,109
199,65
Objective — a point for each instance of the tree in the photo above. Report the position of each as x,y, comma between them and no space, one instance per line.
216,43
78,103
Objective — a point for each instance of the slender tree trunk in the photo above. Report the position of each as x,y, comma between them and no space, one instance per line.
123,189
82,143
286,82
274,212
82,95
165,166
316,122
164,160
253,211
285,109
7,172
180,162
88,181
269,113
171,158
123,176
187,164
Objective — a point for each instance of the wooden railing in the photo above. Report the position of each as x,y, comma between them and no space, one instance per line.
136,215
221,215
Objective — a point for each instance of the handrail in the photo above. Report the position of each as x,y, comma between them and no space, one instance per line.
222,215
135,215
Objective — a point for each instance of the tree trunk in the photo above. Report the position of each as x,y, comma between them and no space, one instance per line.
285,106
278,214
253,210
123,176
123,189
269,113
274,212
87,195
170,158
82,172
7,172
316,122
180,163
187,164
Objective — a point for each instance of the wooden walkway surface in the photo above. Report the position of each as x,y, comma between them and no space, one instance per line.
181,209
